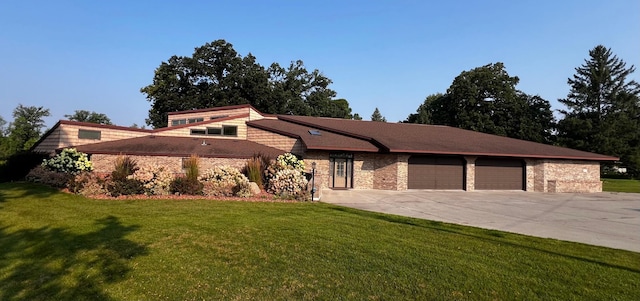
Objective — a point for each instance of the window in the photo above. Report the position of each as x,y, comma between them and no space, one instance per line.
194,120
88,134
214,131
198,132
178,122
230,130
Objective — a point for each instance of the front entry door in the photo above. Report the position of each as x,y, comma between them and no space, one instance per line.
341,172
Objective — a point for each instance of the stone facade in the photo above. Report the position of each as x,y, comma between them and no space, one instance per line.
104,164
566,176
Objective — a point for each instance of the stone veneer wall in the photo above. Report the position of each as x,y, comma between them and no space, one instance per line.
470,173
104,164
567,176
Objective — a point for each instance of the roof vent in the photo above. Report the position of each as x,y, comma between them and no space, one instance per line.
315,133
204,143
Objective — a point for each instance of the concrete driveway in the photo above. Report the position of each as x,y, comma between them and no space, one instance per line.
604,219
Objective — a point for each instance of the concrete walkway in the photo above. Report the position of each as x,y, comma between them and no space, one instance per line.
604,219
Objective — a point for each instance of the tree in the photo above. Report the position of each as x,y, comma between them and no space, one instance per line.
216,75
485,99
376,116
26,128
356,116
86,116
603,109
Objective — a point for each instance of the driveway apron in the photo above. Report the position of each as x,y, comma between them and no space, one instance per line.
603,219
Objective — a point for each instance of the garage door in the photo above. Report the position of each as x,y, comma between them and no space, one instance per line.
499,174
434,172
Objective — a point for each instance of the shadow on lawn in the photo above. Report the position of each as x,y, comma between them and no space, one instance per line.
491,235
55,264
17,190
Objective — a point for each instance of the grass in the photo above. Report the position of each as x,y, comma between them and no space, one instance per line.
56,246
621,185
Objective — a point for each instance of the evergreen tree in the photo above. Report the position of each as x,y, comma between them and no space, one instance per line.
376,116
603,108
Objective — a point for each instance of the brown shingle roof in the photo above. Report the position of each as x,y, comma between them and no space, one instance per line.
180,146
435,139
325,141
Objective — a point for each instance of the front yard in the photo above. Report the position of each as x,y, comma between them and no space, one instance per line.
56,246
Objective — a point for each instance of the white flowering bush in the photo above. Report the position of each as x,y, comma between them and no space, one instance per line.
288,182
291,161
155,179
286,177
225,181
70,161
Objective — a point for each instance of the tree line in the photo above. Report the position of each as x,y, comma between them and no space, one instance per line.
602,112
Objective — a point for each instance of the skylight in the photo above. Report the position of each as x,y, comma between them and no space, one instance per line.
315,133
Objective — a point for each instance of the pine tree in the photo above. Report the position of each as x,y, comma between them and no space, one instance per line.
376,116
602,109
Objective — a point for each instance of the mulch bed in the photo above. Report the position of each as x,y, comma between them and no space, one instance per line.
261,197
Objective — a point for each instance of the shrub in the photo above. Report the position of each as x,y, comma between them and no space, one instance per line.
125,187
290,160
69,160
123,167
18,165
225,181
255,169
286,178
40,174
121,183
184,185
88,184
155,179
289,183
191,167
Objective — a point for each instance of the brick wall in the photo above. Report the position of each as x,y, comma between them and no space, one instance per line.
567,176
386,172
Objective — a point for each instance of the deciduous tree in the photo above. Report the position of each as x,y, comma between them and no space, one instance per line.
86,116
216,75
485,99
26,128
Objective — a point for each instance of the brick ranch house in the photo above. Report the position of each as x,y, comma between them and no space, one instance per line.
348,153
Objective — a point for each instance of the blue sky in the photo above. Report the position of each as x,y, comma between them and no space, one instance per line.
96,55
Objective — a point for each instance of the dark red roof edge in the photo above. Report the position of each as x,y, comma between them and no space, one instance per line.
344,149
215,109
603,158
168,128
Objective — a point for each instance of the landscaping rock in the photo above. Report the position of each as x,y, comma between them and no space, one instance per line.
254,188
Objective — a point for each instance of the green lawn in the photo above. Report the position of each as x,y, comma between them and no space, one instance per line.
621,185
56,246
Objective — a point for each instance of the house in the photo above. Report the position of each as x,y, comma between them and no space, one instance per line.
348,153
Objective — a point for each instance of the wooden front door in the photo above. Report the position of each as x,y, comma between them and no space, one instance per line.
341,173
